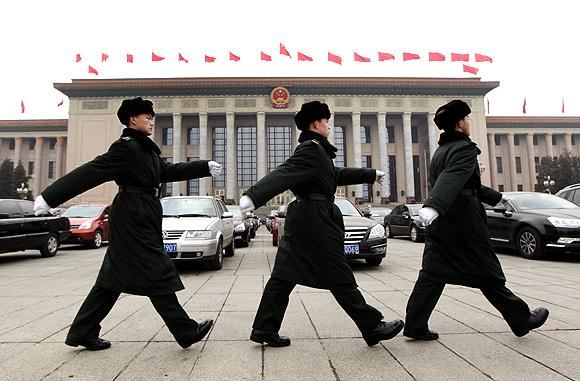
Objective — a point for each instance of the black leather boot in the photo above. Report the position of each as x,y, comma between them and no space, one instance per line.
383,331
97,344
273,339
537,318
422,335
202,330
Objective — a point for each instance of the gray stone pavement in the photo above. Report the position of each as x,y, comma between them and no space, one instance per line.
40,296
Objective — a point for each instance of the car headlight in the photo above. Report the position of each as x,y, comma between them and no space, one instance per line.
564,222
198,234
240,228
86,225
378,231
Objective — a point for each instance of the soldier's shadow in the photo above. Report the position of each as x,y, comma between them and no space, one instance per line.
19,257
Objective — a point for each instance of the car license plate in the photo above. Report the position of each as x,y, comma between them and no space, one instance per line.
170,247
351,249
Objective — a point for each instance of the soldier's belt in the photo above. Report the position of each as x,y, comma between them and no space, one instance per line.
133,189
314,197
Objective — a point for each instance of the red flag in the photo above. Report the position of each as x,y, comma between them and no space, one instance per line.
524,106
130,58
386,56
92,70
482,58
209,59
78,58
360,58
182,59
470,69
562,105
459,57
233,57
410,56
434,56
284,51
304,57
488,106
60,103
334,58
265,57
22,108
104,57
156,58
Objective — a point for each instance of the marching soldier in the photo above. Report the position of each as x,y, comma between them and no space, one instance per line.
311,250
134,262
457,244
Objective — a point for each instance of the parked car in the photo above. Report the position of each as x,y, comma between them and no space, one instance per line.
197,228
535,224
364,238
378,213
570,193
255,221
278,215
21,230
404,220
269,220
243,226
89,224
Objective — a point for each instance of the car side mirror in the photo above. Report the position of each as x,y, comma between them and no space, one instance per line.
228,215
366,213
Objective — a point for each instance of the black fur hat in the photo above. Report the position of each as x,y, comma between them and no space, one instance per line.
309,112
449,114
132,107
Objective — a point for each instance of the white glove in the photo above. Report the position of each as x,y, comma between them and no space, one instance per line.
427,215
504,198
215,168
380,177
40,206
246,204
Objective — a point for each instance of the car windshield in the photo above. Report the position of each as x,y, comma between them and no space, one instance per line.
235,210
346,207
188,207
525,201
414,209
380,211
82,211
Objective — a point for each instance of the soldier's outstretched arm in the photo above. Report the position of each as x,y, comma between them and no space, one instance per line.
351,176
183,171
488,195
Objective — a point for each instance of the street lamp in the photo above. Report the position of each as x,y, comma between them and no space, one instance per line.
22,192
548,183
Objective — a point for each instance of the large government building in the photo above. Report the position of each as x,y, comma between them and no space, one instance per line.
246,124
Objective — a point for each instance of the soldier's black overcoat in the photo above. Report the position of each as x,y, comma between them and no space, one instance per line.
134,262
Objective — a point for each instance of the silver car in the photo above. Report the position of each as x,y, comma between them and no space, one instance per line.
197,228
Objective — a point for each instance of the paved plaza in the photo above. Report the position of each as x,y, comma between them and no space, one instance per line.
40,296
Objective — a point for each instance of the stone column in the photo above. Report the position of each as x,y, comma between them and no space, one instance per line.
383,155
203,152
178,185
231,178
512,158
568,142
492,163
357,159
261,144
38,166
17,151
549,146
531,162
59,156
408,148
331,124
432,134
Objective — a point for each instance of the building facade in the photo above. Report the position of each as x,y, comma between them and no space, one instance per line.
247,125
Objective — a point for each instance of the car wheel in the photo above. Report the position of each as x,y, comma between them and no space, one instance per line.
97,240
529,243
253,235
217,261
246,240
230,250
388,232
50,246
414,233
373,261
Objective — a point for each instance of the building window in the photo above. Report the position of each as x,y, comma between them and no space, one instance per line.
339,144
193,185
219,155
30,168
367,188
573,139
516,140
498,165
501,188
246,156
497,139
392,177
414,134
520,188
11,144
535,139
51,169
167,136
167,187
279,146
391,134
51,143
193,135
365,134
554,140
537,163
31,144
518,164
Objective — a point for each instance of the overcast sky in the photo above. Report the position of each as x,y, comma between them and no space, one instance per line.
534,45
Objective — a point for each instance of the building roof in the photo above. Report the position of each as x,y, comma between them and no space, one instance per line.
27,125
532,121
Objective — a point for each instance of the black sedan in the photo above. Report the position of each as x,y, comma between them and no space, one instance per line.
535,224
404,220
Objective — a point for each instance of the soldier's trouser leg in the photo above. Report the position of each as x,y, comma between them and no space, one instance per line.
97,305
273,305
353,303
181,326
421,303
513,309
